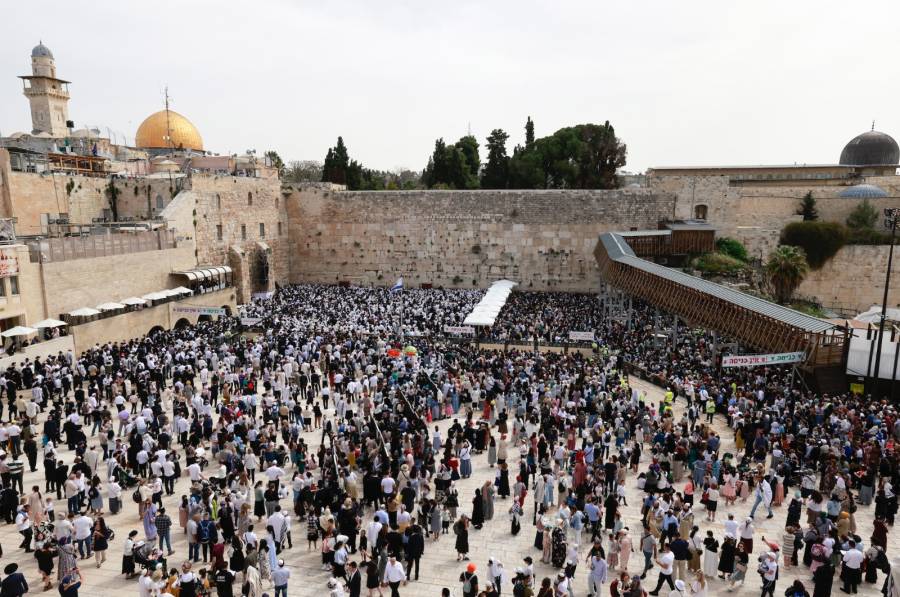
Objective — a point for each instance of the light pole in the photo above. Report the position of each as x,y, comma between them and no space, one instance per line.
891,215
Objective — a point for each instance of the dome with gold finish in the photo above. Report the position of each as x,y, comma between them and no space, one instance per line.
155,131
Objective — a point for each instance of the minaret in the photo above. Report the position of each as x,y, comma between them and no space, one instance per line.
48,96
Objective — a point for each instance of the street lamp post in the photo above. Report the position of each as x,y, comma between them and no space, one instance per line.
891,216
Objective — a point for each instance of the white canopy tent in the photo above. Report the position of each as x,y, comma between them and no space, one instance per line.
84,312
133,300
19,330
49,323
488,308
110,306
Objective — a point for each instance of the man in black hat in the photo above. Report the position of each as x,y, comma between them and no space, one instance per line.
14,584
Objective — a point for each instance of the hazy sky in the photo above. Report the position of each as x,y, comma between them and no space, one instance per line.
684,83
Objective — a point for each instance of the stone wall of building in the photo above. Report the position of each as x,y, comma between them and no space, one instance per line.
245,213
542,239
134,324
853,280
755,213
89,282
32,198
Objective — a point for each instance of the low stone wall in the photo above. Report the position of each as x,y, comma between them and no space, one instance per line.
134,324
44,349
853,280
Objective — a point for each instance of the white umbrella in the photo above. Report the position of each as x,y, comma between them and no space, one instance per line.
84,312
19,330
133,300
49,323
110,306
154,296
183,290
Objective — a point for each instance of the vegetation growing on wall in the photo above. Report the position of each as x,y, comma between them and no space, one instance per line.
731,247
820,241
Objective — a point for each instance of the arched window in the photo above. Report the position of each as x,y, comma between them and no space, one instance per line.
218,201
700,212
160,203
249,198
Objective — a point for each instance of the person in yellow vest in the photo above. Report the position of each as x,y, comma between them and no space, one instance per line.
668,399
710,409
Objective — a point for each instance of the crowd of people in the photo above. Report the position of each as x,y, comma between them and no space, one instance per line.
329,424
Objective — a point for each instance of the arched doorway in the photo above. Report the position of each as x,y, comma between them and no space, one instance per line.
204,317
156,330
182,323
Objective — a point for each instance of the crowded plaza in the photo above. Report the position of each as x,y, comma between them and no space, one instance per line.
345,443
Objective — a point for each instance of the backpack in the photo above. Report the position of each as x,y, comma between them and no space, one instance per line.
136,496
467,585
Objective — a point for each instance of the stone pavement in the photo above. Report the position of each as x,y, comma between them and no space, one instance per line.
439,566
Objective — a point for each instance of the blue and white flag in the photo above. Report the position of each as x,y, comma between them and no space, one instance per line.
398,285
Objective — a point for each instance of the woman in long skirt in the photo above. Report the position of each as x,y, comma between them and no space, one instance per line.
726,557
477,510
68,560
462,538
710,555
487,497
503,486
695,543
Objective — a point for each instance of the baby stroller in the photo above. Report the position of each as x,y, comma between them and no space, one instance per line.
148,557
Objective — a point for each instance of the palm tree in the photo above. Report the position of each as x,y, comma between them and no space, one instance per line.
786,268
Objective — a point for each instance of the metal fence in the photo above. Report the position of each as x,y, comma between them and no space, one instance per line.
100,245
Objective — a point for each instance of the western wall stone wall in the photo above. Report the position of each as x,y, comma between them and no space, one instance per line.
542,239
853,280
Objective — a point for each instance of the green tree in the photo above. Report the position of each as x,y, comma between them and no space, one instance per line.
496,170
863,216
337,162
276,161
786,269
807,208
529,132
471,164
453,166
585,156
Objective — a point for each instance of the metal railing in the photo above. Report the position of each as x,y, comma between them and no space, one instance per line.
103,245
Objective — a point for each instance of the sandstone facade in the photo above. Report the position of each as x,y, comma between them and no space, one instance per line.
542,239
853,280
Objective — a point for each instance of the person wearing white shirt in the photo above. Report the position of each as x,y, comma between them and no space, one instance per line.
394,575
83,528
852,563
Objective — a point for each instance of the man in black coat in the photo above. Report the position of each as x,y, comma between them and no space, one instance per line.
415,547
59,478
354,580
14,585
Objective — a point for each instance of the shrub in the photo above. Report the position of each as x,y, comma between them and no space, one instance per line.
718,263
863,216
867,236
819,240
731,247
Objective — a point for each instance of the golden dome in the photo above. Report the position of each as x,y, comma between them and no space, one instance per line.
152,132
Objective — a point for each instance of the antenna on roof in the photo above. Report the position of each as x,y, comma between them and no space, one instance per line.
168,126
469,128
873,124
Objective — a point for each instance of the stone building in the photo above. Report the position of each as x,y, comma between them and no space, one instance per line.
47,94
